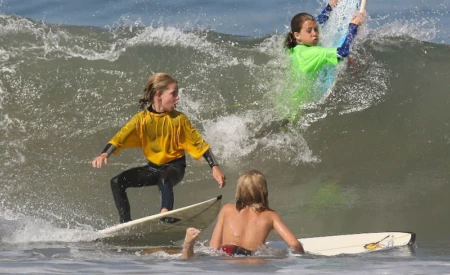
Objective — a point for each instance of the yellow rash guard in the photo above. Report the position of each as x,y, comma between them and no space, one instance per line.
163,137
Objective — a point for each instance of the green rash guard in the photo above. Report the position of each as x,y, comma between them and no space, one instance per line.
306,62
310,59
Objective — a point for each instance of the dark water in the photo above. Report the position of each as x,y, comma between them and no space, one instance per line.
374,157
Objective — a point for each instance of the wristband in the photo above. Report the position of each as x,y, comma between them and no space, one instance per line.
109,149
209,156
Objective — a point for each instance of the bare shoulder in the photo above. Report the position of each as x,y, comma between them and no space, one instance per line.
229,207
227,210
272,214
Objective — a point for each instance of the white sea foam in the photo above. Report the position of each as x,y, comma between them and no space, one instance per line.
17,228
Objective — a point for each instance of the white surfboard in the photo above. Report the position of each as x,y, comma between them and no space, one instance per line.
334,33
166,227
352,243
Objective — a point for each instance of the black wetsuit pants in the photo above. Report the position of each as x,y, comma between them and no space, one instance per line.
166,176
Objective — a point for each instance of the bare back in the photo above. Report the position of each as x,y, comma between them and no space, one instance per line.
249,229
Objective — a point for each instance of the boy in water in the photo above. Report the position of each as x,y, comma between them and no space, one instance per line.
243,227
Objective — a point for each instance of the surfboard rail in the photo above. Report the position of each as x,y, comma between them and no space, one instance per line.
167,227
353,243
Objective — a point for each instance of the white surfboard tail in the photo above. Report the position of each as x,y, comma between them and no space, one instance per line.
353,243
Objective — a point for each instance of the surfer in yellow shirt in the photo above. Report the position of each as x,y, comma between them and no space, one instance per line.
164,135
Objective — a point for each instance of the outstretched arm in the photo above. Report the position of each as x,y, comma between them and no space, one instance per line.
103,157
118,141
325,14
344,49
217,173
286,235
217,236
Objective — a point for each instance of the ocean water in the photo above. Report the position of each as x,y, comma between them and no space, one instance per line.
373,157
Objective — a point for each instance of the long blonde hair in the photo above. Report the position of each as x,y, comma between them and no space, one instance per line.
156,82
252,191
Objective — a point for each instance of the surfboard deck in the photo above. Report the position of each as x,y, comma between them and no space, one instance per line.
334,33
164,228
352,243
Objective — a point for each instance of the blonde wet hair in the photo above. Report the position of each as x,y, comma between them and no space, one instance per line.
156,82
252,191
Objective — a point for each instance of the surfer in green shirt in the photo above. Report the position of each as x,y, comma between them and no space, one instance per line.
307,58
